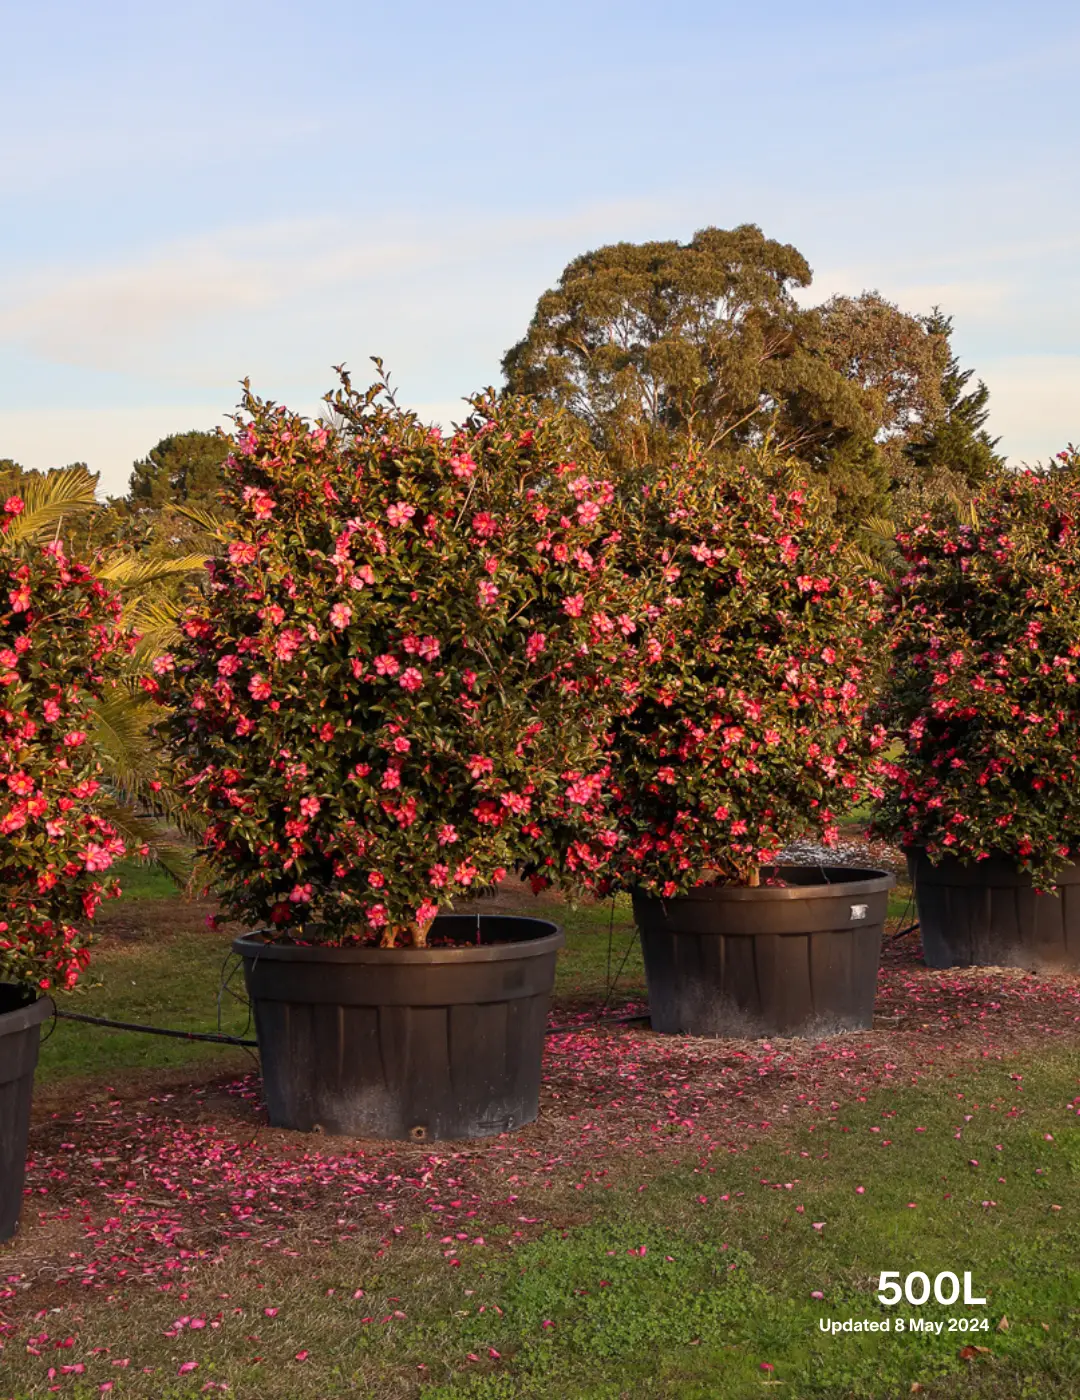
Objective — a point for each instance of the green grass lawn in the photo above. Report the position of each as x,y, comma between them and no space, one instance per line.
689,1288
140,880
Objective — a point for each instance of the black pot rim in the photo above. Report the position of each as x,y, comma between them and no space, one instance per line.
15,1022
254,945
866,881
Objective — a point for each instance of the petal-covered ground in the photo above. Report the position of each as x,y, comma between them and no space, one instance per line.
147,1188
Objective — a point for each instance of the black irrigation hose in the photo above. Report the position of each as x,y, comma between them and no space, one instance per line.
152,1030
236,1040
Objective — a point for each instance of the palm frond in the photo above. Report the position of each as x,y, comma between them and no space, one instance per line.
48,499
157,622
211,523
119,726
880,527
203,874
128,571
162,850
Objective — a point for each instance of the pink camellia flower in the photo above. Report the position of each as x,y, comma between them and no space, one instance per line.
75,739
340,616
387,665
447,835
300,894
485,526
535,645
588,512
428,649
242,552
573,605
286,644
259,688
364,575
426,911
400,513
162,665
14,505
462,466
96,857
310,806
411,679
486,592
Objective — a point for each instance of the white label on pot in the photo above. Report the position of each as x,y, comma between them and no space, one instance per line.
858,911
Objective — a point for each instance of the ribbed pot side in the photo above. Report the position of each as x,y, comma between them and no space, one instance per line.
406,1043
20,1034
800,959
986,914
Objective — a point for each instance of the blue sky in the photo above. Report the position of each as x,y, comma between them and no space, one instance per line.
197,192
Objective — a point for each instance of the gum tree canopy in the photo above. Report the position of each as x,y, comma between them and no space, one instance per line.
665,346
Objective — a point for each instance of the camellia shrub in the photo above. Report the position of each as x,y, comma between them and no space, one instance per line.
985,687
59,635
750,726
405,667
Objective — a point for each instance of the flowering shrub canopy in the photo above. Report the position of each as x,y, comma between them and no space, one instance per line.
59,635
750,726
985,689
403,668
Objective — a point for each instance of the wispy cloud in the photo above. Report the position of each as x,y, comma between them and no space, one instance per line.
114,314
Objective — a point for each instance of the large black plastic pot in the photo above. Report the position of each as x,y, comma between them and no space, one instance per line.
797,959
20,1031
987,914
420,1043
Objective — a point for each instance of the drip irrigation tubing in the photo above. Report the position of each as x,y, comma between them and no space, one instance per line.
152,1030
238,1040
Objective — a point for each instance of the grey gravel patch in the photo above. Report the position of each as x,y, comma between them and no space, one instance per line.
877,854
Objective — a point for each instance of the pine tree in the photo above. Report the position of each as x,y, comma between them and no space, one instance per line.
956,450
